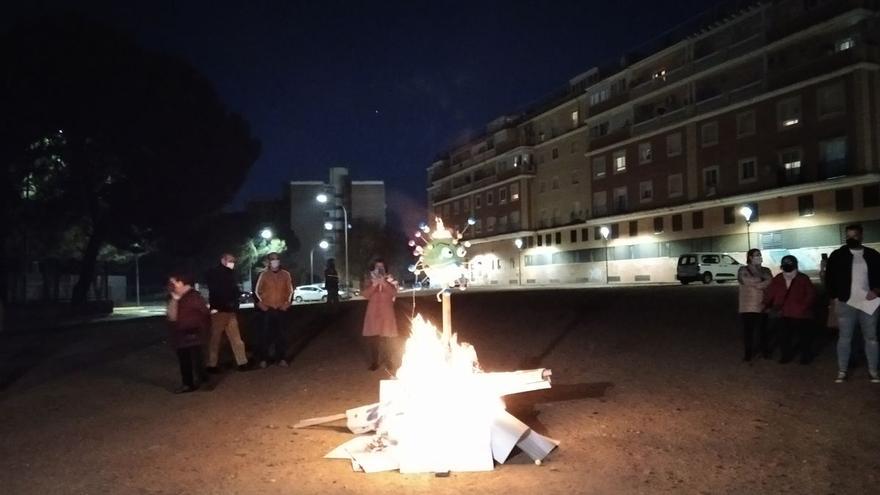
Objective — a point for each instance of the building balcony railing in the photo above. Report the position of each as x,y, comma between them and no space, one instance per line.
646,86
784,76
784,26
615,100
617,135
659,121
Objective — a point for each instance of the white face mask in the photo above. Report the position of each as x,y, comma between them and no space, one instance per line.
230,265
274,264
757,260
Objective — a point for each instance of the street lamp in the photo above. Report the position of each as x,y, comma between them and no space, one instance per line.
323,198
605,231
519,245
747,212
328,225
323,245
266,233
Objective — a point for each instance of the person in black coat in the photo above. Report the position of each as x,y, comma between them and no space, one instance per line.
224,294
331,281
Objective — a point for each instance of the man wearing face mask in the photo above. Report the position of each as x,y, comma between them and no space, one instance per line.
792,294
853,280
223,296
273,292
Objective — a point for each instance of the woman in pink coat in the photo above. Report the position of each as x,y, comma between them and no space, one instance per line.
380,290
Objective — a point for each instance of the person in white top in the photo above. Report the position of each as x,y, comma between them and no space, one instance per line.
853,280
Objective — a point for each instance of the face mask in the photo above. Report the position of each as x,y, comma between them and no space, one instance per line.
789,267
853,243
231,266
274,264
757,260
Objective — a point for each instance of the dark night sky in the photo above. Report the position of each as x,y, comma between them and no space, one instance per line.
379,87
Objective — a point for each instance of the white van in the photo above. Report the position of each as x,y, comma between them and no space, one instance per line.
706,267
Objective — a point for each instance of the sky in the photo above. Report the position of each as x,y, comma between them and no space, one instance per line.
379,87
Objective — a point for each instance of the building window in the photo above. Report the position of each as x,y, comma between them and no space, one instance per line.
490,224
455,208
559,238
542,186
554,183
573,236
615,231
805,205
675,185
871,196
658,225
575,120
514,219
554,154
540,240
833,155
585,234
697,220
791,164
599,96
729,217
597,233
788,112
514,192
502,223
633,228
831,100
548,240
490,198
710,180
620,199
843,199
844,44
673,144
709,134
466,205
646,154
646,191
748,170
599,130
599,167
477,200
575,177
619,161
502,195
575,211
600,203
745,124
676,223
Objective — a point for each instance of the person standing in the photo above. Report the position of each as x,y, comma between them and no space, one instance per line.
223,294
189,322
853,281
331,281
792,294
273,292
380,324
753,280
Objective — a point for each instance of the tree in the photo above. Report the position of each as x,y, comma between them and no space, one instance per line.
148,147
369,241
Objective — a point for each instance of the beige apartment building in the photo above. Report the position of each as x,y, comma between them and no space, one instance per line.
774,105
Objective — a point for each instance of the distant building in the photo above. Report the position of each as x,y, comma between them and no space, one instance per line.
771,105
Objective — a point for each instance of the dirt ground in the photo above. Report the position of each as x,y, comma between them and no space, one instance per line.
649,396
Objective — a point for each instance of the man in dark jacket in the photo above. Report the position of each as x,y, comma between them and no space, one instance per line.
224,295
792,294
853,280
331,281
188,322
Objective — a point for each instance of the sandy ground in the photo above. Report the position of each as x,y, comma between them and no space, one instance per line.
649,396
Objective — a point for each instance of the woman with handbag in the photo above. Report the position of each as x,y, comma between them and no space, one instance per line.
753,280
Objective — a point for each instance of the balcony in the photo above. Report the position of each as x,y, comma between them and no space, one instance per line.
612,137
781,77
786,26
615,100
729,52
649,85
663,120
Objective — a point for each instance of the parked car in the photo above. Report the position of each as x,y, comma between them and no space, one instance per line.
706,267
313,292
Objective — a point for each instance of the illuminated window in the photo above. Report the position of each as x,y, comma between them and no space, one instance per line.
514,192
619,161
788,112
646,153
599,167
574,119
791,163
845,44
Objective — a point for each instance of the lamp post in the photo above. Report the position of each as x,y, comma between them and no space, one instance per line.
747,212
323,198
605,231
323,245
519,245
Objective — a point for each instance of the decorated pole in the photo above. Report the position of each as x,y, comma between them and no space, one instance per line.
447,315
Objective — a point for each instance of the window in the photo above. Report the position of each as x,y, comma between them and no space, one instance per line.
559,238
575,177
619,161
709,134
490,224
748,170
531,241
745,124
540,240
585,234
646,154
833,151
676,223
597,233
831,100
599,167
697,220
791,164
502,223
554,184
455,208
844,44
548,240
673,144
477,201
542,186
788,112
646,191
674,185
620,199
600,203
574,119
843,198
658,225
599,96
710,180
490,198
573,236
514,192
514,219
615,231
633,228
554,154
502,195
576,210
871,195
598,130
729,217
805,206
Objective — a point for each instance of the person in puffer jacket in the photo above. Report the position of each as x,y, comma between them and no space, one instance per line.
189,322
792,294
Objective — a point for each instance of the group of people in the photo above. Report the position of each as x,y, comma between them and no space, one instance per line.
851,277
197,327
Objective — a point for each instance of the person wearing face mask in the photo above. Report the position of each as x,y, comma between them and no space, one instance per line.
188,321
853,281
792,294
380,324
753,280
273,291
223,294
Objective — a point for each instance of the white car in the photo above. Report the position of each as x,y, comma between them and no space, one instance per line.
306,293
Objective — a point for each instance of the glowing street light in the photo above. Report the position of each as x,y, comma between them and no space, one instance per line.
322,198
747,213
266,233
605,231
328,225
323,245
519,245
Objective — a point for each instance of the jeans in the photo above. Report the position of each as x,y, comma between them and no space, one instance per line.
273,334
847,318
755,323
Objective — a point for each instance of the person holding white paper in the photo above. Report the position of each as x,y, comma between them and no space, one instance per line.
853,280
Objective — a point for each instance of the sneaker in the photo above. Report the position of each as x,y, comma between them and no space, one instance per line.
263,365
283,363
841,377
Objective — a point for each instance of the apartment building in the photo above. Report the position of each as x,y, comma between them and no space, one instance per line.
772,105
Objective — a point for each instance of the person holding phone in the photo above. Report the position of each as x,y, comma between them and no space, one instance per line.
189,322
380,325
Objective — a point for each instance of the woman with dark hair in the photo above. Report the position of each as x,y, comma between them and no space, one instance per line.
380,325
189,321
791,293
753,280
